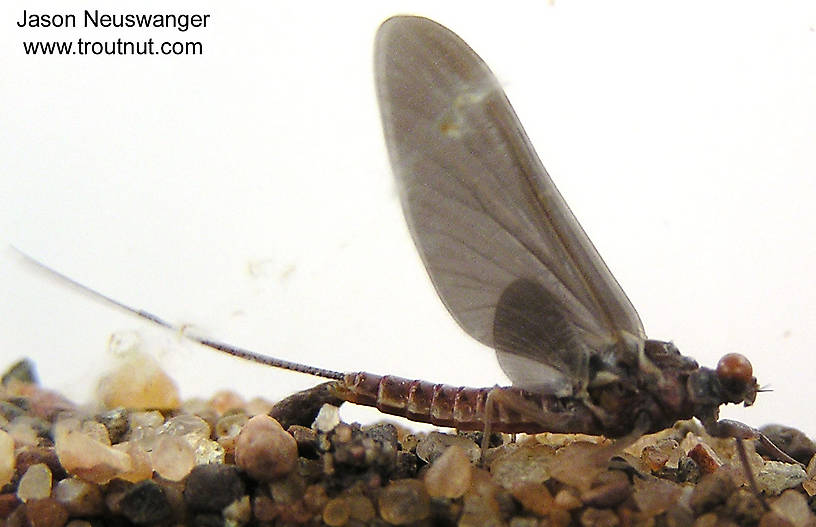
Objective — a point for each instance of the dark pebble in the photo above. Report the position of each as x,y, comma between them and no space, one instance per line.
145,503
116,421
688,471
301,408
22,371
21,402
114,492
212,487
385,433
792,441
405,465
306,440
744,507
354,448
477,437
9,410
208,520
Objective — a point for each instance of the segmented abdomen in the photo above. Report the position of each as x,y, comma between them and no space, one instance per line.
464,408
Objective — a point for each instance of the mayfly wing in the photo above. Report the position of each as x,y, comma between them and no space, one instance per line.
505,253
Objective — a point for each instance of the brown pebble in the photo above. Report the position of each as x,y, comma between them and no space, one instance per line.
449,475
705,458
653,458
306,440
45,404
599,518
529,464
230,425
257,406
28,456
141,466
264,449
404,501
793,507
480,504
708,519
138,382
79,497
772,519
520,521
45,513
314,498
560,518
810,487
744,507
7,461
534,497
579,464
361,508
712,490
436,443
264,509
566,500
302,407
8,502
239,512
289,489
336,513
226,400
654,495
609,494
17,518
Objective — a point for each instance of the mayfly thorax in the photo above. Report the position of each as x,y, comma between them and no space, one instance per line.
514,268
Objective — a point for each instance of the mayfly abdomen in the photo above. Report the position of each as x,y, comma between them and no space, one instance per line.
422,401
465,408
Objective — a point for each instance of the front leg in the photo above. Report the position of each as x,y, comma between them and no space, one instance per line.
727,428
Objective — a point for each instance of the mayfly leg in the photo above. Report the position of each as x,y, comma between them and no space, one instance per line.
740,432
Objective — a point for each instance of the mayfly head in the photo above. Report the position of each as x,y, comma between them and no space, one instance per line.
736,376
733,381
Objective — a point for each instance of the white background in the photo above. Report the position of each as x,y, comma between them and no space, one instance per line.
247,191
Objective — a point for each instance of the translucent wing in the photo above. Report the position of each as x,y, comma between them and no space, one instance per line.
490,226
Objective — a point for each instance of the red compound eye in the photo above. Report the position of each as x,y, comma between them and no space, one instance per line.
735,368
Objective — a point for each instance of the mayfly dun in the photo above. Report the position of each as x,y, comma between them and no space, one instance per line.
514,268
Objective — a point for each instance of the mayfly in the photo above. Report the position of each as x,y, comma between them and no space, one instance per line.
514,268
